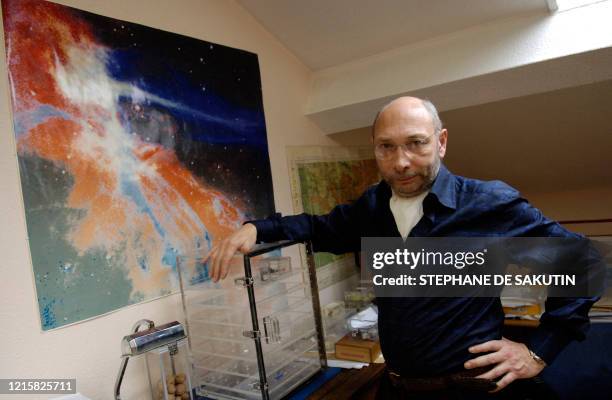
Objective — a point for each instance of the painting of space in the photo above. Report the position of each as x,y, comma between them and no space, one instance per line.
135,145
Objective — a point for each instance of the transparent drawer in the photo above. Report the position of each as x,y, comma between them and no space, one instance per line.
239,349
277,328
217,384
244,349
228,306
275,361
264,270
304,370
299,348
299,368
235,296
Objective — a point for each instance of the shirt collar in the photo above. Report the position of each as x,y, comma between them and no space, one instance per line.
444,188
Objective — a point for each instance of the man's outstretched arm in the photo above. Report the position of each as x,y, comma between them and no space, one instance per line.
337,232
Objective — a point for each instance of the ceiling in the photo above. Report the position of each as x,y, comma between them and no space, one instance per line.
324,33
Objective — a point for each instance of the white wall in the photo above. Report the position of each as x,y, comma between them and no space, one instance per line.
90,351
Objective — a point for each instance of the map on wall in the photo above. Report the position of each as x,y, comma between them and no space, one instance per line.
323,177
134,145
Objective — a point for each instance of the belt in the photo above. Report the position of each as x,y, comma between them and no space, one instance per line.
463,379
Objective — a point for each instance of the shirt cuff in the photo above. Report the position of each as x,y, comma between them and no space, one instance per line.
267,229
547,342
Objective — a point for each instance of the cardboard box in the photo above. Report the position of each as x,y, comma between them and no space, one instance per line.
357,349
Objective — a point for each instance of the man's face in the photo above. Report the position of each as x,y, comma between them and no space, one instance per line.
411,152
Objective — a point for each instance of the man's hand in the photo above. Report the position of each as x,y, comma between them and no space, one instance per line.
219,257
511,359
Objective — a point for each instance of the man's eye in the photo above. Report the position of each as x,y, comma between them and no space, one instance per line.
387,146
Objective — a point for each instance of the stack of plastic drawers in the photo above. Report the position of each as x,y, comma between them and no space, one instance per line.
224,341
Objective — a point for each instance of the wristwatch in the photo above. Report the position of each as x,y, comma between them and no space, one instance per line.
537,358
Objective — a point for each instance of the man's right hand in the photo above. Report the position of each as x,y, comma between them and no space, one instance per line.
219,257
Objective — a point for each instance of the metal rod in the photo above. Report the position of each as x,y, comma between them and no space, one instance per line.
119,379
267,247
263,381
172,350
179,267
316,305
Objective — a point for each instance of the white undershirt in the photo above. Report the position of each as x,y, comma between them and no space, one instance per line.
407,212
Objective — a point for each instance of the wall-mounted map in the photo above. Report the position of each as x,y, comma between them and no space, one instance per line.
134,145
323,177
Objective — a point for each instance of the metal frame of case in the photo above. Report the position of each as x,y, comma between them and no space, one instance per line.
255,334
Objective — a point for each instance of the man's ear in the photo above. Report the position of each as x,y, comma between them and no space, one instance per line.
442,140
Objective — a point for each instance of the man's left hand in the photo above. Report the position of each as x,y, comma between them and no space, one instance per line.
511,359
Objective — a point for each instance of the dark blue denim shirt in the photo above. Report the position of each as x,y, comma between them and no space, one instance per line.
430,336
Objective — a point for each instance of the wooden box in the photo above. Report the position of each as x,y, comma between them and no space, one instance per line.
357,349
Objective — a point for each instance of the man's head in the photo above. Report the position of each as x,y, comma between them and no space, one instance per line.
409,143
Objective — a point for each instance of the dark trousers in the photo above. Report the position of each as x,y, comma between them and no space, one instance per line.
522,389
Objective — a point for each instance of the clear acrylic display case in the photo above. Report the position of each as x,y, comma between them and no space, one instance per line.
256,334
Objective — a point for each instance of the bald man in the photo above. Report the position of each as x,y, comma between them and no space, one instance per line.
433,347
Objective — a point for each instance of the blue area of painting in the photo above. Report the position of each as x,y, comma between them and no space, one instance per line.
25,121
201,274
210,117
124,119
142,263
46,313
169,257
208,240
203,127
131,190
66,267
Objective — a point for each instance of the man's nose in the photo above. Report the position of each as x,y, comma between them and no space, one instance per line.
402,160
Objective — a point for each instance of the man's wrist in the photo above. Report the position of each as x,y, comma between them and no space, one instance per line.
537,358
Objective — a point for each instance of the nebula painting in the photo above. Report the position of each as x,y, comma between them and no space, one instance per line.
135,145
